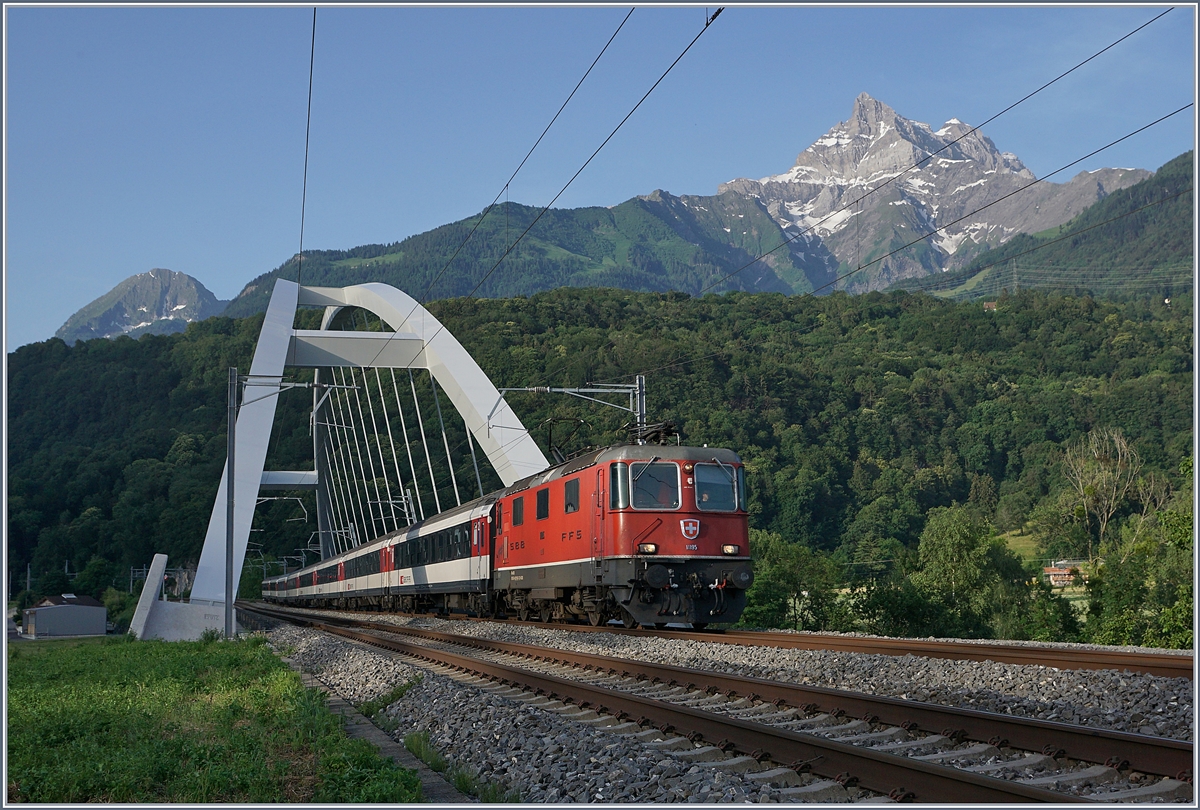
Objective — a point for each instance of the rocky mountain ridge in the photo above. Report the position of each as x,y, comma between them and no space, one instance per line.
160,301
855,212
855,188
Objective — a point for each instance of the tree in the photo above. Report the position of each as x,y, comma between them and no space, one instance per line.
953,553
95,578
1102,469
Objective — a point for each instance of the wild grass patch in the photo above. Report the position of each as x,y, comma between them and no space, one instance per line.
464,779
116,720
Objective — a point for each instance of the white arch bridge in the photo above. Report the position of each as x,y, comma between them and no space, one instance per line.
368,474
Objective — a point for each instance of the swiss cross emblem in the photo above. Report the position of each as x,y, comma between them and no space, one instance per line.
690,527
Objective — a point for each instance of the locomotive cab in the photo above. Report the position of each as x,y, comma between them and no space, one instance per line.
648,534
680,521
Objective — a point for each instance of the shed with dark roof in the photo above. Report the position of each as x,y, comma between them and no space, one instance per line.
65,615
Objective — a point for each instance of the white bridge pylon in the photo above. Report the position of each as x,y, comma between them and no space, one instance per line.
419,342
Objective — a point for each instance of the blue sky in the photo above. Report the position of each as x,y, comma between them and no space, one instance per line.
174,137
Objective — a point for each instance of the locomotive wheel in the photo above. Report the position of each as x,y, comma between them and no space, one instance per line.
523,613
627,620
595,618
544,615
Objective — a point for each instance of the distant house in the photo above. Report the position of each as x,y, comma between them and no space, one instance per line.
1063,573
989,306
66,615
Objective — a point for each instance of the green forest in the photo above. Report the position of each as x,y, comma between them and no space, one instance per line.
900,448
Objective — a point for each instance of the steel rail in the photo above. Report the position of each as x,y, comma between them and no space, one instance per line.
1167,665
1153,755
1162,664
883,773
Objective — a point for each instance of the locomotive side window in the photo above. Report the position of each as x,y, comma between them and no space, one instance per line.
618,488
741,488
715,488
654,485
571,498
543,504
518,511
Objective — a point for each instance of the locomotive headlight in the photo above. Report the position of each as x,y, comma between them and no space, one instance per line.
647,548
730,548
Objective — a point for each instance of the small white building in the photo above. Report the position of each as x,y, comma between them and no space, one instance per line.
66,615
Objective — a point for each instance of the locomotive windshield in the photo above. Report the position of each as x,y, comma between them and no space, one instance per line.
654,485
716,488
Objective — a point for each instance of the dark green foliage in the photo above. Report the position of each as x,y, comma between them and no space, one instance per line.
855,415
1142,592
53,583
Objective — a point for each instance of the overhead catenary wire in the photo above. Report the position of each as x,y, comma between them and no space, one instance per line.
510,247
927,235
505,188
508,183
307,130
1070,235
586,163
930,156
966,134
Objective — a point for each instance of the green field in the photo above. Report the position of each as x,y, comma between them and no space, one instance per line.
117,720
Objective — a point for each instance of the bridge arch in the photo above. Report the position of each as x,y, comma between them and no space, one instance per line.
419,341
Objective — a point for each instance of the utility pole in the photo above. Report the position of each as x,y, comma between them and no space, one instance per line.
233,392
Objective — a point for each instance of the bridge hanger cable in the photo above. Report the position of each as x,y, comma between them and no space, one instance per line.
935,231
509,248
928,157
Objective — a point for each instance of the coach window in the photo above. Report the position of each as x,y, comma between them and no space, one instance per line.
618,487
543,504
571,496
654,485
518,511
716,488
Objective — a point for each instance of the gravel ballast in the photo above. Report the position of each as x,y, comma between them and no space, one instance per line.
533,752
1120,701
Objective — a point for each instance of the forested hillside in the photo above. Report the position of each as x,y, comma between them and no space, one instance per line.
856,416
651,244
1136,241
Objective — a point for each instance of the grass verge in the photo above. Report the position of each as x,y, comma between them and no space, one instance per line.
463,779
117,720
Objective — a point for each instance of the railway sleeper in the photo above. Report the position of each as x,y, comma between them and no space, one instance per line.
817,791
979,751
1095,775
1167,790
777,778
1030,762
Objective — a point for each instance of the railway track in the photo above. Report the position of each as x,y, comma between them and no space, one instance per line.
1163,664
890,747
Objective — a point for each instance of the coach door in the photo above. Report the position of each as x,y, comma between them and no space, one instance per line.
478,549
598,520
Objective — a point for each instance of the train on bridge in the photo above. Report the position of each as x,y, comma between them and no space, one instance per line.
648,534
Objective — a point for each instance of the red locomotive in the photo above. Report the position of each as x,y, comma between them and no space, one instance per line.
647,534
